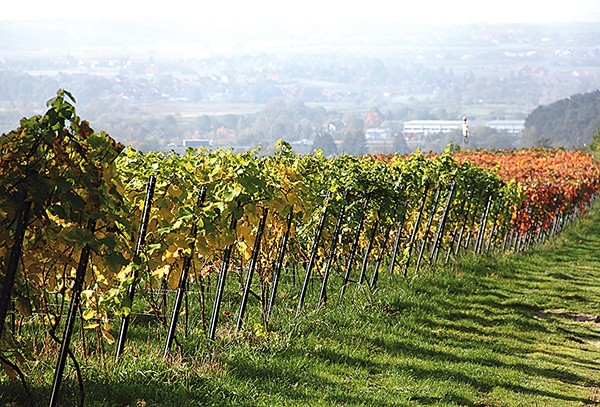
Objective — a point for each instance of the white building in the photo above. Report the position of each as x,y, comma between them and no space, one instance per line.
414,131
509,126
424,127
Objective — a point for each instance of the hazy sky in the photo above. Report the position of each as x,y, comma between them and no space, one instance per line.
313,11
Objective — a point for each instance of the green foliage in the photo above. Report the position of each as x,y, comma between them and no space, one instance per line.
569,123
66,171
595,144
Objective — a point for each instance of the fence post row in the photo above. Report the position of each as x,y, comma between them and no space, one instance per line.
415,230
494,230
363,269
483,223
382,249
470,195
436,199
397,241
442,224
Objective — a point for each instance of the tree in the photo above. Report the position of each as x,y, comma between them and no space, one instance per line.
595,144
325,143
170,126
569,122
399,145
203,124
354,143
489,138
373,118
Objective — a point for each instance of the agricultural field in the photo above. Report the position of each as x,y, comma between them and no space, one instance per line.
219,277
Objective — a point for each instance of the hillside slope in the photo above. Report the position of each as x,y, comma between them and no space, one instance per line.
518,330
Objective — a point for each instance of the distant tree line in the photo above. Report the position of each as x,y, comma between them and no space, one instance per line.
569,123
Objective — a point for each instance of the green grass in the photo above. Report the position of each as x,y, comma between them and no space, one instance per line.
511,330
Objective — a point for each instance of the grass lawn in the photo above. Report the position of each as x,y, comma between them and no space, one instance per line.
509,330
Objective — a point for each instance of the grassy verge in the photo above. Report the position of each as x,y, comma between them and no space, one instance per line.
514,330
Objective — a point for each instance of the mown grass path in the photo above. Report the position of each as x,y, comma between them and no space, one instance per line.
511,330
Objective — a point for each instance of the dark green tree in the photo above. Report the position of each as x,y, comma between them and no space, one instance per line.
325,143
399,145
569,122
595,144
354,142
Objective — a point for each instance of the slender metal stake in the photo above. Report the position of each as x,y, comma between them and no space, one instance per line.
313,255
182,286
279,266
450,246
480,203
252,266
336,233
220,286
456,228
465,221
494,230
382,250
352,256
415,229
442,225
75,300
483,224
138,248
13,261
436,199
363,269
397,241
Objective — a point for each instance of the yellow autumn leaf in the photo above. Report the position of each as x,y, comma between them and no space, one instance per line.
125,272
107,335
58,220
277,206
175,191
174,279
100,276
244,249
202,246
87,294
243,231
161,271
88,314
165,213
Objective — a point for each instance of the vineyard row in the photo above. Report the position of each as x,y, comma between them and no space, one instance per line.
89,227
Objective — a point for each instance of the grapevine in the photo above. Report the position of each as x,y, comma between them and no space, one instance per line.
218,218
